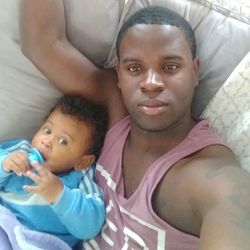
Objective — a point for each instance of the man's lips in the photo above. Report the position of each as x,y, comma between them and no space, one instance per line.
153,107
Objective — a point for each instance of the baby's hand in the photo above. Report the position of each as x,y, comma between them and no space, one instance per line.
48,185
17,162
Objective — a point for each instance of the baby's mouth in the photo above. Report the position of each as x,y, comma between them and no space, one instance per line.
35,155
43,156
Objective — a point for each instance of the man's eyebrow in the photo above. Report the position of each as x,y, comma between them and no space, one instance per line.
171,57
168,57
130,59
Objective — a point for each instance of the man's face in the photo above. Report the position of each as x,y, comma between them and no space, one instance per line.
62,140
157,75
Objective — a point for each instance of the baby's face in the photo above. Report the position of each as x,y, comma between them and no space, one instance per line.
62,140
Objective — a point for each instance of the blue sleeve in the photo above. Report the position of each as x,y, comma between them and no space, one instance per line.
82,214
3,175
4,153
15,183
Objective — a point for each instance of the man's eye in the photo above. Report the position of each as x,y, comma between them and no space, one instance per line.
46,131
62,141
170,67
134,68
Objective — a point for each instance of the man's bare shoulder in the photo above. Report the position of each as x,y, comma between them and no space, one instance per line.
208,170
218,197
197,183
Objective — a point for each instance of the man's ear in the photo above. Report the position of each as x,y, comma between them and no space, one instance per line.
84,162
196,70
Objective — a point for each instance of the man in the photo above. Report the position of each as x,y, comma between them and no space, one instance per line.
169,182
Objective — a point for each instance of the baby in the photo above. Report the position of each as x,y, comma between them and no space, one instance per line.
41,181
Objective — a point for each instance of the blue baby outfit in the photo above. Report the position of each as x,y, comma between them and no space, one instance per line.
79,212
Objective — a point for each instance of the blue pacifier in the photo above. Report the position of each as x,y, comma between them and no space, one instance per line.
35,155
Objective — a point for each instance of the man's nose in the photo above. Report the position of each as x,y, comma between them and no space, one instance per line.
153,82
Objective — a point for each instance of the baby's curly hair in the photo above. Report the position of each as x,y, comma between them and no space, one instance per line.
93,114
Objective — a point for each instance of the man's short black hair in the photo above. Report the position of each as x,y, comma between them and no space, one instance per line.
93,114
158,15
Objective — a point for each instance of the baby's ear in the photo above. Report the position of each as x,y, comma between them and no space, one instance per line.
84,162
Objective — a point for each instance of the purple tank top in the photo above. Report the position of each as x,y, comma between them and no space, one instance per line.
131,223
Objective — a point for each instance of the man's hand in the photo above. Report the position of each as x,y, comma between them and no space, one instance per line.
48,185
17,162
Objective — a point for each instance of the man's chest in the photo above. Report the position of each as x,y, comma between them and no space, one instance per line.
135,171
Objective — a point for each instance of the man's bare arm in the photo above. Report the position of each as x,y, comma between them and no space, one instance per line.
44,42
220,197
211,200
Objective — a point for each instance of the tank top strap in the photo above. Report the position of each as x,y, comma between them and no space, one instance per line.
198,138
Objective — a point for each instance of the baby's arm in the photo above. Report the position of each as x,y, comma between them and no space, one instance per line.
3,174
48,185
82,210
16,162
82,214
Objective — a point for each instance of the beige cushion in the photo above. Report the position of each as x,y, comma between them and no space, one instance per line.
229,112
92,25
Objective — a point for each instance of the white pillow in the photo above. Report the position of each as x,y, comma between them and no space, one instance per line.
229,112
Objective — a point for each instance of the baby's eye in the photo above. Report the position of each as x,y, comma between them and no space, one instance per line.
46,131
134,68
62,141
